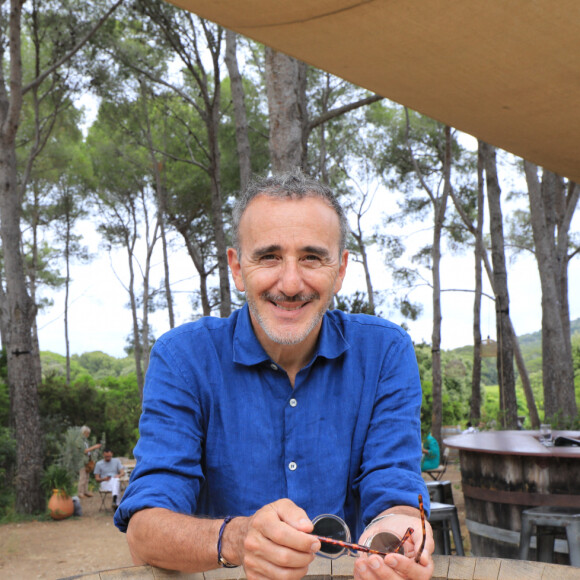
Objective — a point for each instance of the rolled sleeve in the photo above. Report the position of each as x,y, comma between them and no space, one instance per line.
169,472
391,467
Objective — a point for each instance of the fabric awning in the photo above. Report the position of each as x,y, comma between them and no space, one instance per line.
507,72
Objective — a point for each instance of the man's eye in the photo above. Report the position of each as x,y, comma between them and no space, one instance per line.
268,257
312,259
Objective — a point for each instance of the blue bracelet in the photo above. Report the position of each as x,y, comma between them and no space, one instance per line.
221,560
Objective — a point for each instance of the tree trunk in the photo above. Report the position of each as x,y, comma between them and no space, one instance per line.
439,209
478,233
475,403
550,232
21,355
66,293
137,348
32,273
168,291
358,236
240,117
505,367
22,358
217,208
286,91
161,197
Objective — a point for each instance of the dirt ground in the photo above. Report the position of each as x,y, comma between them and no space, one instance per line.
56,549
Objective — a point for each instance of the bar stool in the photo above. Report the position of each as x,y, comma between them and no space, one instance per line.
447,514
544,518
440,491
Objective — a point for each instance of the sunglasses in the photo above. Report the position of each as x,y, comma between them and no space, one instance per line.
335,540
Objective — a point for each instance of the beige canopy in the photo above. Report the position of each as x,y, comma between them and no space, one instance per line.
505,71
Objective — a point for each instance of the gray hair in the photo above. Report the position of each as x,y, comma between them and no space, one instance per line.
85,429
289,185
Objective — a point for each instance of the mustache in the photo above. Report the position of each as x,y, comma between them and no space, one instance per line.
284,298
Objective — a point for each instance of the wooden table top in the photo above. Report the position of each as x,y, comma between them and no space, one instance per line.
446,567
513,443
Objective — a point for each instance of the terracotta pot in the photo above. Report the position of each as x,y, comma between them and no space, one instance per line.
60,505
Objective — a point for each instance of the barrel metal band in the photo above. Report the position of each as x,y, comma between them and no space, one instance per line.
521,498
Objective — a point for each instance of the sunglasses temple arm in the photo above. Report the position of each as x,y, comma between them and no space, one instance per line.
350,546
422,546
397,547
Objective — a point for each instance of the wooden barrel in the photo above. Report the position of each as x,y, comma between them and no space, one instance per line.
506,472
446,568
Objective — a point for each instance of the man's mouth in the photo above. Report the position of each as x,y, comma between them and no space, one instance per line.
289,303
288,308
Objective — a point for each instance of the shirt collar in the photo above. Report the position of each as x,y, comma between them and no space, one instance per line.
247,349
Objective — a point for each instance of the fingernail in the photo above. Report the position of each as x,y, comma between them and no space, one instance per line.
362,568
374,563
304,522
392,562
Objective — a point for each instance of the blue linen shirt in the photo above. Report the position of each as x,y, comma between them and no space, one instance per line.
222,431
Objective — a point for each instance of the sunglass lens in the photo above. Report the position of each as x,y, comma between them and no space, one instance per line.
331,528
383,542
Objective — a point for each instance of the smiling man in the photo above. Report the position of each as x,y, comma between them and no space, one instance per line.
255,424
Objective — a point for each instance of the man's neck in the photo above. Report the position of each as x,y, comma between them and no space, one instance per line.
292,358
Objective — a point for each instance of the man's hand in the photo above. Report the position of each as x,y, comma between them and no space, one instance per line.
273,543
397,566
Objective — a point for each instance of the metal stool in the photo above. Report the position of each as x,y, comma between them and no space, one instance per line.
544,518
447,514
440,491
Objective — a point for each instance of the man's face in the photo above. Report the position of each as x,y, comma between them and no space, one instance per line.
290,266
107,455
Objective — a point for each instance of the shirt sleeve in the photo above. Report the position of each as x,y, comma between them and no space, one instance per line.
391,467
168,473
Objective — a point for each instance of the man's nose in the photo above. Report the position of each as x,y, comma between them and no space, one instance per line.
290,281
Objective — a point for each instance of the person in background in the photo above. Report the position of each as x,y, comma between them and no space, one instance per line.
469,428
83,486
431,455
255,424
108,472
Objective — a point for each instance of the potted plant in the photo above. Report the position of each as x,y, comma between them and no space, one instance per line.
58,483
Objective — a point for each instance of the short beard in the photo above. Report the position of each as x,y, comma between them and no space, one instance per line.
288,339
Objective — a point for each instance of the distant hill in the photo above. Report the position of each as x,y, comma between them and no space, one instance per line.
531,347
529,343
535,338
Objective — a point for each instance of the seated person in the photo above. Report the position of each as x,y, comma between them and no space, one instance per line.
431,454
471,429
256,423
108,472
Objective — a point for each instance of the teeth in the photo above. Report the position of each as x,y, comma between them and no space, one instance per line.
289,309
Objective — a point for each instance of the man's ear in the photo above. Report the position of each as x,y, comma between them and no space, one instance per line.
236,269
341,271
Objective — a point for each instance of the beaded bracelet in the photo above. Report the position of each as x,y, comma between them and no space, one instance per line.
221,560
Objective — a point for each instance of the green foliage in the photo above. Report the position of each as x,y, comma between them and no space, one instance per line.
72,454
110,406
356,303
7,467
57,477
4,404
100,365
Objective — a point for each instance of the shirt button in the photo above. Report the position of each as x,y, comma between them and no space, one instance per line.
292,466
273,367
293,402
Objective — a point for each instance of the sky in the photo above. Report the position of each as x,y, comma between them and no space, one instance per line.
100,321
